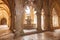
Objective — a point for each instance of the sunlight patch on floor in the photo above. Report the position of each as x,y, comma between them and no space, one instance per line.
31,30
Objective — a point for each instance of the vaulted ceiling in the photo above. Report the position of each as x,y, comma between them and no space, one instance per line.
38,3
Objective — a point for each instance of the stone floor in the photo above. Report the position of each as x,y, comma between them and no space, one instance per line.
39,36
29,31
7,37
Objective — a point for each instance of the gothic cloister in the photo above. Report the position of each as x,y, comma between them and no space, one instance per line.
29,19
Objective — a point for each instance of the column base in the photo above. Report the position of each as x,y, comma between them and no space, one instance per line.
18,34
50,30
39,30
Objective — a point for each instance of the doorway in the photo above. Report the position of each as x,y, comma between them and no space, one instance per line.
30,20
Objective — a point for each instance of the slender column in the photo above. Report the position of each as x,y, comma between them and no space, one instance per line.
19,18
12,17
39,5
51,22
39,22
48,17
47,20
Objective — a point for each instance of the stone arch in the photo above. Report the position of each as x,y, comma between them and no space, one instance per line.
5,14
55,18
55,7
3,21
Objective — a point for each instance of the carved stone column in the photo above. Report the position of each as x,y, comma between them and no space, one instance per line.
39,5
12,11
48,17
19,18
51,22
39,22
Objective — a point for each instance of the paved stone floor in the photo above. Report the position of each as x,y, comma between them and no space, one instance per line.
7,37
40,36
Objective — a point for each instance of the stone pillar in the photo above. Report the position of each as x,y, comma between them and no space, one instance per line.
48,17
39,5
19,18
51,22
39,22
47,20
12,11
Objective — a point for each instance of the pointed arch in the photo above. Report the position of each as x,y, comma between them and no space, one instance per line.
3,21
5,13
42,19
54,18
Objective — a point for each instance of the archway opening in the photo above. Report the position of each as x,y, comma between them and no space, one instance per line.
42,19
55,18
30,19
5,20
